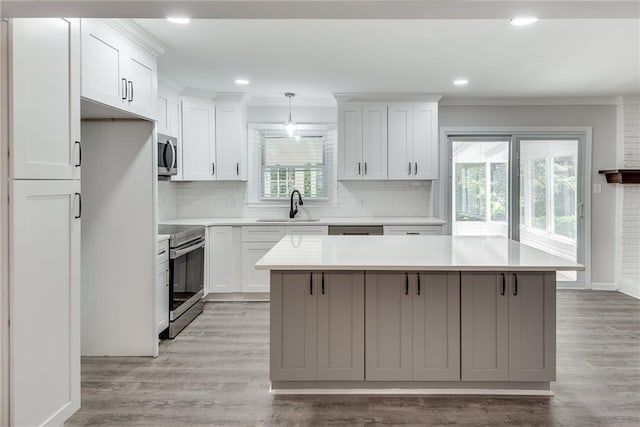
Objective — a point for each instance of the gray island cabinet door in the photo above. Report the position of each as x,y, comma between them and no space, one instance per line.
389,326
436,327
485,327
340,326
293,329
532,333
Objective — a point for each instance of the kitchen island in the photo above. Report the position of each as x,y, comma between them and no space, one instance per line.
412,314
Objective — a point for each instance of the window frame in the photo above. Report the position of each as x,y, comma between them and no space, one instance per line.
255,180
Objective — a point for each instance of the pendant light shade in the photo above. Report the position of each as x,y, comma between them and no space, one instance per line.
290,125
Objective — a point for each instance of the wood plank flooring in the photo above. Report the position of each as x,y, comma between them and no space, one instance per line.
216,373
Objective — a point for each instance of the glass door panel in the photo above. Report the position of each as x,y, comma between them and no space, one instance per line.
549,203
480,187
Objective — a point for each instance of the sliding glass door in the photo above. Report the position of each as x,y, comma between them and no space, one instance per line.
526,187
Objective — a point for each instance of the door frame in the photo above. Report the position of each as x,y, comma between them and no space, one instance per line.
441,188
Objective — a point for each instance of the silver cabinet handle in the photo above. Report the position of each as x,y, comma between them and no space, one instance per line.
365,168
238,169
213,168
416,168
79,196
130,83
79,144
359,168
125,89
409,168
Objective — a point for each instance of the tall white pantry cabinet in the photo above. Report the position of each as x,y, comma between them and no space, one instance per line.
45,209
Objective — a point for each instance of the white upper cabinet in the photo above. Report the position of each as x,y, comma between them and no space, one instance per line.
198,141
116,72
214,141
169,121
362,140
231,145
45,106
413,141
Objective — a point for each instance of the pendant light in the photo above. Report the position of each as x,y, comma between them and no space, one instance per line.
290,125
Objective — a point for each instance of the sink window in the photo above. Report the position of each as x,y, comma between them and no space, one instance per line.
282,163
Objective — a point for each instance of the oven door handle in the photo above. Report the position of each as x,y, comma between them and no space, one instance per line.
177,253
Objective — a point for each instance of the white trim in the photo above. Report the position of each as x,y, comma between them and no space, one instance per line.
387,97
630,288
138,35
417,391
609,100
603,286
299,102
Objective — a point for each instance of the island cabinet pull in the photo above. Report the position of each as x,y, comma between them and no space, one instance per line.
503,284
322,283
310,283
406,284
418,276
515,284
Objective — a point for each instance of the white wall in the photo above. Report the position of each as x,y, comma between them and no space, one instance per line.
602,118
629,231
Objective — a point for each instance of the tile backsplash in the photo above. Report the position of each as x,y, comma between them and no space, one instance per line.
354,199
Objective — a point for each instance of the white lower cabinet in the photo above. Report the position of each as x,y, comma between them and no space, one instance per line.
255,280
413,328
45,301
223,259
162,287
508,326
317,326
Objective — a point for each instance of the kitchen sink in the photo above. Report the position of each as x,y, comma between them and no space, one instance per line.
288,220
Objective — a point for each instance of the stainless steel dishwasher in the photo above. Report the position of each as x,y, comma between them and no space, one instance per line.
355,230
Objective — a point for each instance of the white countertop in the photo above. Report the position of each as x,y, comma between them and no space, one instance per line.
163,237
425,253
207,222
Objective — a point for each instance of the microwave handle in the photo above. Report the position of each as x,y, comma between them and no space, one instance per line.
174,157
164,155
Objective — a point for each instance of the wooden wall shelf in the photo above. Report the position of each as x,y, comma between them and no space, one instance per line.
622,176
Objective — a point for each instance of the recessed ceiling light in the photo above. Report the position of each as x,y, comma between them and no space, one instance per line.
460,82
242,82
523,20
179,19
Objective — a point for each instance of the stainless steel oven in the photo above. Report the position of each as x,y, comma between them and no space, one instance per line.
167,156
186,284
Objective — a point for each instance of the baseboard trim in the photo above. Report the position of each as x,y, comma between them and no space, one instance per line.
604,286
419,392
630,288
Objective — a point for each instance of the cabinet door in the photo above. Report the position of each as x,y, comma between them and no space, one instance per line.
231,148
374,141
162,114
198,141
221,260
140,71
400,141
175,129
485,328
162,297
425,140
103,58
389,326
350,141
340,326
436,327
254,280
307,230
45,69
293,335
532,333
45,301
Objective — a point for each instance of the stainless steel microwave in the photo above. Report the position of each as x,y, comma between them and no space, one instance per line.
167,155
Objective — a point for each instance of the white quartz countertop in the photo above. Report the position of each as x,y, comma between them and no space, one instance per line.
424,253
323,221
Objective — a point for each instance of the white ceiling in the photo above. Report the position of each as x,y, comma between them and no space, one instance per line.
314,58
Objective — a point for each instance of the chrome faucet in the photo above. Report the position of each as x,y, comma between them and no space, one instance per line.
293,211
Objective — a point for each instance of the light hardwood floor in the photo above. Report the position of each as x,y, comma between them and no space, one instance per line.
216,373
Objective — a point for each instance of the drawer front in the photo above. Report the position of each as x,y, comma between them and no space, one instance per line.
416,230
262,233
163,252
307,230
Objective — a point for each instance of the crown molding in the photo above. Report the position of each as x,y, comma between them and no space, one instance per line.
471,102
135,33
295,102
387,97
